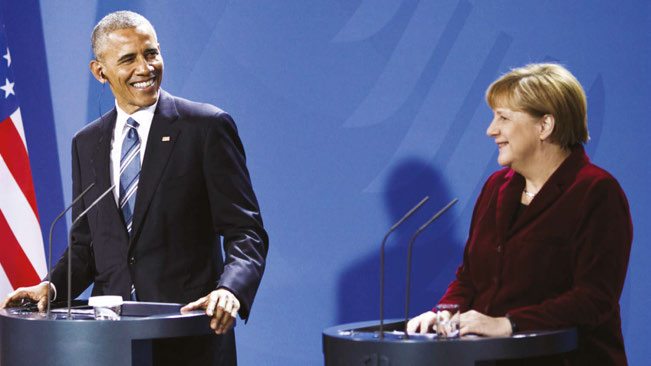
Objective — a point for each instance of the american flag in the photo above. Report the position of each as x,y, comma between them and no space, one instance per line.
22,255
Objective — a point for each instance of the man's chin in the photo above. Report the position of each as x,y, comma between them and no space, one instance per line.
148,100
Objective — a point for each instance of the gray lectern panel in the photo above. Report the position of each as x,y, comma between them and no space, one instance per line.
360,344
31,338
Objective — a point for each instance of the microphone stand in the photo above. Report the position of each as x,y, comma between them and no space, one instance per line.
384,241
81,215
49,245
411,245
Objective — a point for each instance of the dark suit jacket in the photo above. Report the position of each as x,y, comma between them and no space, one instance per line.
561,263
193,188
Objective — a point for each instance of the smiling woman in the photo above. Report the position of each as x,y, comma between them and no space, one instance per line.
551,233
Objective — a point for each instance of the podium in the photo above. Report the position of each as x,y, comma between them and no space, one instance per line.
359,344
31,338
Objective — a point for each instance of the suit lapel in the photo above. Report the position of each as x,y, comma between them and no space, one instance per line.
160,143
100,159
101,164
508,200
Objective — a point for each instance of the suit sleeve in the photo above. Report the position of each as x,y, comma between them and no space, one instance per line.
235,211
602,243
80,244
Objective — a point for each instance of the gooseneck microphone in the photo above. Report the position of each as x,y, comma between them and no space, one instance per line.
411,245
49,242
81,215
384,241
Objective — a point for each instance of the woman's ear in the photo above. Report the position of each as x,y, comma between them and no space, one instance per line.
547,126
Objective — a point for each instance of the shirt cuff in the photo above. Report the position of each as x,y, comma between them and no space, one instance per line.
53,291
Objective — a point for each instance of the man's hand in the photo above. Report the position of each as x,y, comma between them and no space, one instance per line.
474,322
221,305
422,323
37,294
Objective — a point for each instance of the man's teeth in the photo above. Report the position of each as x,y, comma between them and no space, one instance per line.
144,84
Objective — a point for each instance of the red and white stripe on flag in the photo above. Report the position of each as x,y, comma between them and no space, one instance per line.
22,255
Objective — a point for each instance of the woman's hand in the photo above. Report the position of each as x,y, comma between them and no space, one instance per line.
474,322
422,323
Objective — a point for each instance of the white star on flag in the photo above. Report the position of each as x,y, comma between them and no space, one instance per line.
7,57
8,88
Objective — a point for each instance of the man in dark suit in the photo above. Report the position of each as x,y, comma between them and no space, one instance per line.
180,178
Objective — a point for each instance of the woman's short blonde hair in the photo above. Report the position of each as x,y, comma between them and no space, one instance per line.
540,89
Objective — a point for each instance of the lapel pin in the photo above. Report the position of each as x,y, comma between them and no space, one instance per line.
165,139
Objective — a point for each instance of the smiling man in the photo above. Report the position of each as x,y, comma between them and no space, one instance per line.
180,183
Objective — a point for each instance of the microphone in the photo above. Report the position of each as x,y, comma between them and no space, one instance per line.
49,243
411,244
384,241
81,215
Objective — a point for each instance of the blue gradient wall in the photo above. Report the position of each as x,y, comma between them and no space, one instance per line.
351,111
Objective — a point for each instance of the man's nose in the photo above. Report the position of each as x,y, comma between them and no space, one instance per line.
143,66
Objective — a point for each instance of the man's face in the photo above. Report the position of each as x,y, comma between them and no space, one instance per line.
131,62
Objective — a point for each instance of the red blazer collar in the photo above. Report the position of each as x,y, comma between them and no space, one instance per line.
508,198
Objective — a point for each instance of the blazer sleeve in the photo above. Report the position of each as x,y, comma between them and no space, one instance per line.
602,243
236,215
80,244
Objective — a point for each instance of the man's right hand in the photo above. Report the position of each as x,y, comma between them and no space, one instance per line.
37,294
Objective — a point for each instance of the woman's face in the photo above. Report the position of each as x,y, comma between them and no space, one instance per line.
517,135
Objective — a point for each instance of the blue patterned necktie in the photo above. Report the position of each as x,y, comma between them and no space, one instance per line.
129,172
129,176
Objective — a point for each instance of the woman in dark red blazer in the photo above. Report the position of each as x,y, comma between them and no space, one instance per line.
551,233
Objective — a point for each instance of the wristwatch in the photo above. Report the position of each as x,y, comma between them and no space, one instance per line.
514,327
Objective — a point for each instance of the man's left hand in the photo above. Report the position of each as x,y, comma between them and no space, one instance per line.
474,322
221,305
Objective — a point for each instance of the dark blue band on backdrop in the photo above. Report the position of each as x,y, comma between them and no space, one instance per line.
100,99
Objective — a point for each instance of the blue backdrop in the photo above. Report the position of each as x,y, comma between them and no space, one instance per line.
350,112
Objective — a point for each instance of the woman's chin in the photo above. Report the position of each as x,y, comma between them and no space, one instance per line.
504,161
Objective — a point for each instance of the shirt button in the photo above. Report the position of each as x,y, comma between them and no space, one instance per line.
499,248
132,260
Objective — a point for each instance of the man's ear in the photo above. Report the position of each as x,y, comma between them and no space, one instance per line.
547,125
96,70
